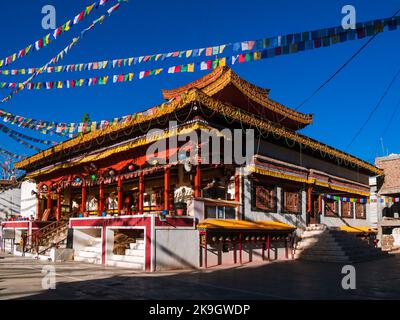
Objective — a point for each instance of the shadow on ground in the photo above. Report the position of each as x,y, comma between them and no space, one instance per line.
278,280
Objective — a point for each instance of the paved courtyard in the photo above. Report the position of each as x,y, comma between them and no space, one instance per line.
21,278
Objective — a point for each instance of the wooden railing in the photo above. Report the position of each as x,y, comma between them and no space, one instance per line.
43,236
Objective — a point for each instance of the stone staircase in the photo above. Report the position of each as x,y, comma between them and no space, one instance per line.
90,253
319,243
133,258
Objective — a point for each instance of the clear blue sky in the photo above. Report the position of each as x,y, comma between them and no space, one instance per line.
147,27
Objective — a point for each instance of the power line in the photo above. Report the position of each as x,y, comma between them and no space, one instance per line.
374,109
338,71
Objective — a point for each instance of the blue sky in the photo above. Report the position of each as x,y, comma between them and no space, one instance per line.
147,27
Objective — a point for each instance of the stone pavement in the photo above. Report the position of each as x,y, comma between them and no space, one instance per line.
21,278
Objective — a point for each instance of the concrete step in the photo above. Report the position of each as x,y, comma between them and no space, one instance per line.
93,249
95,241
134,252
322,258
136,246
123,264
135,259
88,254
322,252
88,260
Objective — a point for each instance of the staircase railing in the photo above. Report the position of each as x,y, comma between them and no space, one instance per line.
42,237
51,245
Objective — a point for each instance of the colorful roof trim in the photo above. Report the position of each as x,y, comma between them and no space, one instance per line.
141,141
215,105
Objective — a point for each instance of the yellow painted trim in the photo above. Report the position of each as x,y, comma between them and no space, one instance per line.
131,145
290,177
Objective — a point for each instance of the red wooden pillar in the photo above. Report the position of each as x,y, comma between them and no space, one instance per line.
237,194
240,248
205,251
237,188
58,214
167,178
269,247
197,182
83,203
234,253
101,198
38,213
48,206
141,193
309,198
119,189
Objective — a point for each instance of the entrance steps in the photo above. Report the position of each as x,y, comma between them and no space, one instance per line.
91,253
133,258
319,243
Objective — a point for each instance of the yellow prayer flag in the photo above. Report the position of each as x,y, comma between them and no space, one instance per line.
89,8
27,49
159,70
257,55
188,53
130,76
67,27
222,62
190,67
222,48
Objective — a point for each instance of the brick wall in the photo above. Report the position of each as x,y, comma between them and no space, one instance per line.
391,167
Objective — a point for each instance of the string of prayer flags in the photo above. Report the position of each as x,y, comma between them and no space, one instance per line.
12,132
278,45
11,154
346,199
23,142
54,60
384,199
371,199
47,39
288,45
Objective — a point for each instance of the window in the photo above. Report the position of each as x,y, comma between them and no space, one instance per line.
291,201
265,198
347,209
331,208
360,211
220,212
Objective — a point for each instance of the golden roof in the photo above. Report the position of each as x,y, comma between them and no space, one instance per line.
227,110
361,229
217,224
221,77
